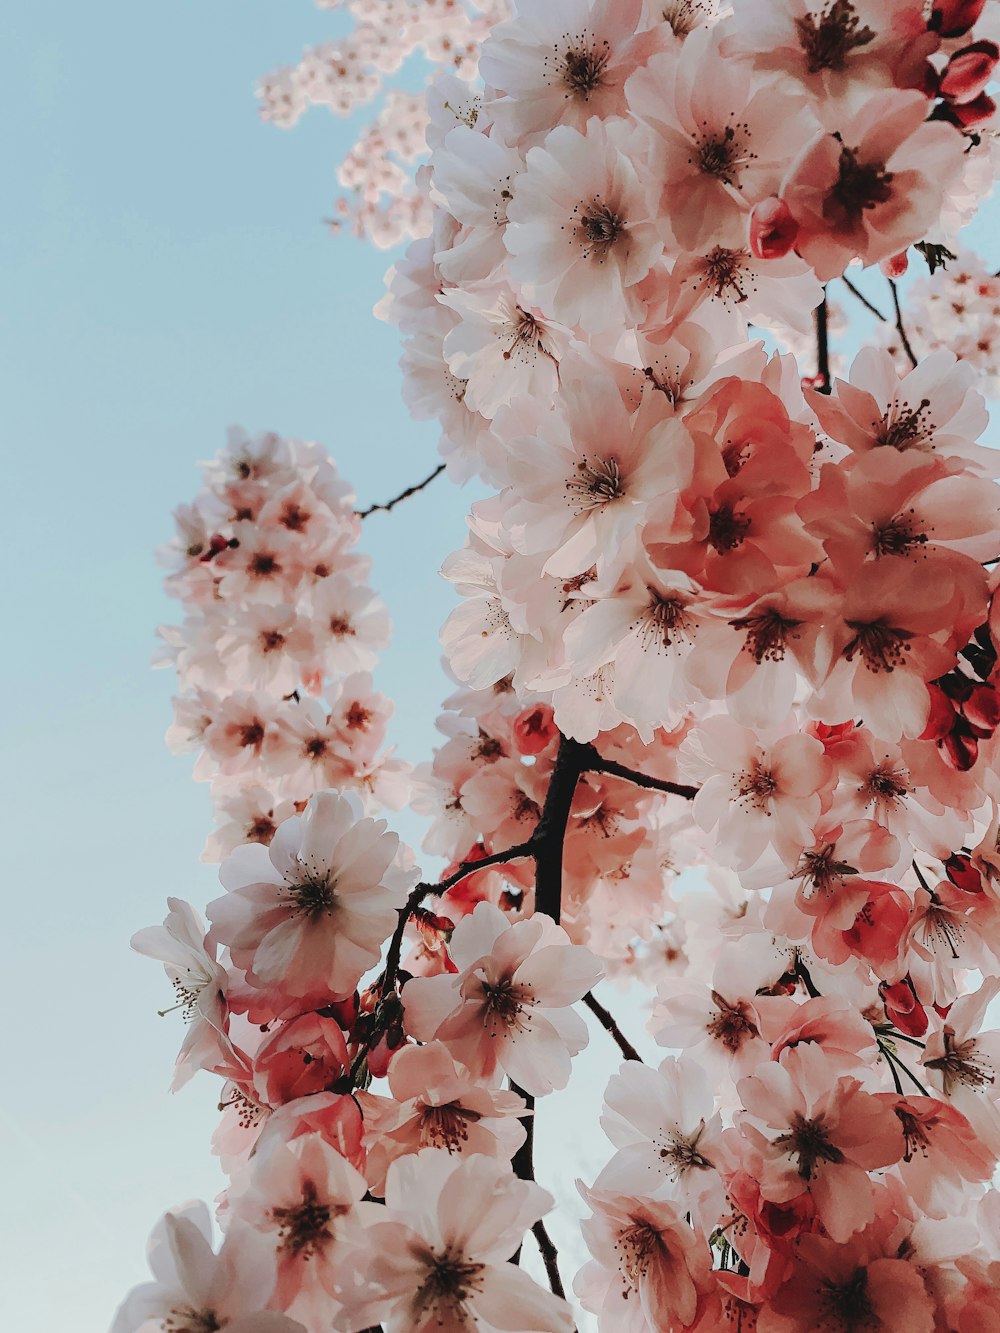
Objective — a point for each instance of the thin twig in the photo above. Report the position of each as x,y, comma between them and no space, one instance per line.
523,1160
869,305
403,495
596,763
423,891
899,323
550,1257
610,1026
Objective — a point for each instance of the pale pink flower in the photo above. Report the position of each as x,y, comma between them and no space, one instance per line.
435,1258
350,623
195,1289
666,1130
933,409
718,144
302,1195
508,1006
873,186
561,64
473,176
308,915
582,484
842,1284
247,813
200,984
649,1267
581,228
819,1134
501,350
756,789
434,1103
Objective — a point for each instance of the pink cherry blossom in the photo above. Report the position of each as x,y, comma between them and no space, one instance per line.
307,915
439,1260
508,1008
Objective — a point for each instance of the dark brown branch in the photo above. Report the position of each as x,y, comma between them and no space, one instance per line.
403,495
550,1257
823,346
550,834
899,323
523,1160
860,296
596,763
610,1026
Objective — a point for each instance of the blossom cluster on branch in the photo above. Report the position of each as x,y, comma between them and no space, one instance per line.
723,611
280,635
383,203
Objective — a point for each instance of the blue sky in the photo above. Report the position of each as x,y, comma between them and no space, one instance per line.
166,274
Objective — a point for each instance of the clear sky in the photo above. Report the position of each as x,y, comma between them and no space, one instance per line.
165,273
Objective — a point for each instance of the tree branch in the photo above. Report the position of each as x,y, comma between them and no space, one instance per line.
899,323
550,1257
823,346
860,296
596,763
550,833
403,495
610,1026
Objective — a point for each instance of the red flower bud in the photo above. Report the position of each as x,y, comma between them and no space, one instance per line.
952,18
969,71
773,230
534,729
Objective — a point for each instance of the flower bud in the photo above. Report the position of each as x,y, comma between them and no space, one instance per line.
773,230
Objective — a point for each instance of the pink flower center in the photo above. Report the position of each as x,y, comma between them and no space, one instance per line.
755,786
451,1279
809,1141
860,187
723,272
882,647
185,1319
820,872
583,68
898,536
903,425
848,1303
961,1064
828,38
731,1023
597,482
446,1126
636,1245
600,229
305,1228
766,634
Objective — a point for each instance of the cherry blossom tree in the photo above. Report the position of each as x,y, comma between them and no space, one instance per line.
726,725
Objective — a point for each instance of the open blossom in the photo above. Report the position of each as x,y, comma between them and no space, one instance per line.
436,1104
508,1006
819,1135
200,984
757,790
307,915
873,185
196,1290
561,65
581,228
303,1196
717,145
438,1260
649,1268
664,1126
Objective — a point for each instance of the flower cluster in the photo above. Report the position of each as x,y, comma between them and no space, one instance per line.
956,309
280,635
383,202
722,611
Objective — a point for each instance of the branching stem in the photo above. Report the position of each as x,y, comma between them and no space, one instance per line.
403,495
